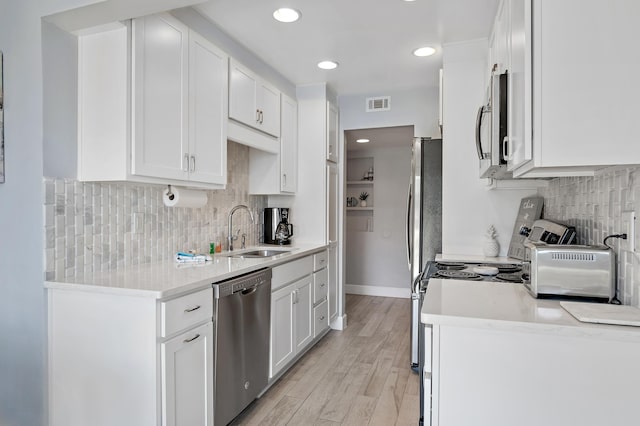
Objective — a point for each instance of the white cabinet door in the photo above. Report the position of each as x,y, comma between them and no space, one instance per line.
333,281
332,203
332,132
160,85
303,312
519,95
268,102
282,332
208,73
289,145
242,95
253,101
187,378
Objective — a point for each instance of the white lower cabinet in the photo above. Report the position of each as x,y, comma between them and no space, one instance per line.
296,304
187,378
320,318
120,359
291,322
332,281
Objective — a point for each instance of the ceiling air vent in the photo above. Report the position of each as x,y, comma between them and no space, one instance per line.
381,103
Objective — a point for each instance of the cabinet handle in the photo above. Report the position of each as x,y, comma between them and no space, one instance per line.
192,339
193,163
185,163
193,309
284,178
295,296
506,148
257,115
322,285
322,318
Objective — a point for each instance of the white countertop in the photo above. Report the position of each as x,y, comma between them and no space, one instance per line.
494,305
169,278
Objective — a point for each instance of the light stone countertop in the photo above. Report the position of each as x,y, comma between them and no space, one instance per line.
169,278
506,306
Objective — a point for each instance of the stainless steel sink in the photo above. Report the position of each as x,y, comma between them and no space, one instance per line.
260,253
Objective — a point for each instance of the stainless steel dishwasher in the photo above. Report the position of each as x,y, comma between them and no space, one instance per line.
242,319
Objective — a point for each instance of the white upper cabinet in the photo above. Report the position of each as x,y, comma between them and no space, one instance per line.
271,173
208,100
253,101
573,92
332,132
289,145
152,105
160,85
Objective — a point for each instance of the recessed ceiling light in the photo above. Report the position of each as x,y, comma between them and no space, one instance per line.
362,140
328,65
285,14
424,51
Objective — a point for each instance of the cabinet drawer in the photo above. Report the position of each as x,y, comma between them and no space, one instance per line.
320,281
320,318
178,314
291,271
320,260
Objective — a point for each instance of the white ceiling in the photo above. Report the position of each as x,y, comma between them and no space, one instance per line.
371,39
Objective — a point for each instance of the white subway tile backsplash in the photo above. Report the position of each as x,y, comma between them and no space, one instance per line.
97,226
594,205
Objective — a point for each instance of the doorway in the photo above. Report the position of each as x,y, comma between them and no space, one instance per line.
377,177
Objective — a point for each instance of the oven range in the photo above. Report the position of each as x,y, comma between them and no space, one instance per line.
467,271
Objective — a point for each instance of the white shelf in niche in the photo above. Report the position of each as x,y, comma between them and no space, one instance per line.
360,209
360,182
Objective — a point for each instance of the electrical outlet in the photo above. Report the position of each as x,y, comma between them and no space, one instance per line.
629,228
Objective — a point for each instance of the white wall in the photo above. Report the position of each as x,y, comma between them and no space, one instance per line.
418,108
378,259
468,208
22,302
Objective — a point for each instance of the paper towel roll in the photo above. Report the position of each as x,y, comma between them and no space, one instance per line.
182,197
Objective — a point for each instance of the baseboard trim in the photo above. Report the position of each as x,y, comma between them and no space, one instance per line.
340,323
370,290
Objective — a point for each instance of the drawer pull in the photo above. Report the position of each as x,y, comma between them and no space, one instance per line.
192,339
322,285
322,318
193,309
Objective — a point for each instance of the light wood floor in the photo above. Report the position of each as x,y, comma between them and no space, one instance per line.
359,376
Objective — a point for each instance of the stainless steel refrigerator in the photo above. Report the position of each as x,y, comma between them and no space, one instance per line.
424,223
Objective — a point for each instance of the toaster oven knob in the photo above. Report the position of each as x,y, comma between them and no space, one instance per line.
525,231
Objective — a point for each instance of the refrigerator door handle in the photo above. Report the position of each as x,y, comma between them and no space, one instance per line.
408,236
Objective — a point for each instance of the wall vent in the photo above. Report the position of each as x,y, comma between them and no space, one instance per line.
380,103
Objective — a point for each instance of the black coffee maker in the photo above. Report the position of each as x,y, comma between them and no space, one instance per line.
277,229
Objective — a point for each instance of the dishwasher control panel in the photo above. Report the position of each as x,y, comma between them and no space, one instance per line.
234,285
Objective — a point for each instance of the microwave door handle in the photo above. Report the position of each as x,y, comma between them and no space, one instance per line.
478,134
506,155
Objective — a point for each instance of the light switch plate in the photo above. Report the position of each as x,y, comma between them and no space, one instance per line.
629,227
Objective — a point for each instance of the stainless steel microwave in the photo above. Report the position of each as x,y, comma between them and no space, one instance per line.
492,130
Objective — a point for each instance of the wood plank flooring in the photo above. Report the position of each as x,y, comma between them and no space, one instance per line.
359,376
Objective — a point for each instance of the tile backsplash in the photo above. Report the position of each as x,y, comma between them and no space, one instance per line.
98,226
594,205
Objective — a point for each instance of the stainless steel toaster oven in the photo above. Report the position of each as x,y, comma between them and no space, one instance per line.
569,270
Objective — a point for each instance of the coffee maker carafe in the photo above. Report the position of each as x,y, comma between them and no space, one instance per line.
277,229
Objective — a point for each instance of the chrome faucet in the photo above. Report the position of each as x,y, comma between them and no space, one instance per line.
230,237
